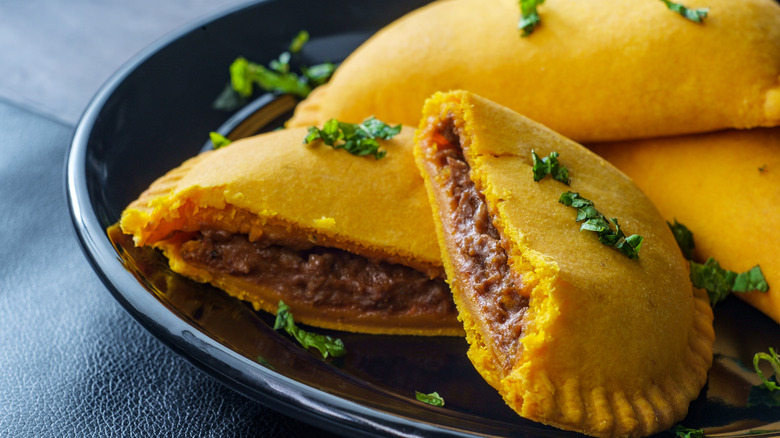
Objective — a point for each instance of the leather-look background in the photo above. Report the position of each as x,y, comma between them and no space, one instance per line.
72,361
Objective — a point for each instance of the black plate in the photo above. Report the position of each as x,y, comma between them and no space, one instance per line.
157,111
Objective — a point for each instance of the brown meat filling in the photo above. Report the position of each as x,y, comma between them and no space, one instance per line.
481,258
328,278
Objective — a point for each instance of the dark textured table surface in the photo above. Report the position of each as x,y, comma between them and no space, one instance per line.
72,361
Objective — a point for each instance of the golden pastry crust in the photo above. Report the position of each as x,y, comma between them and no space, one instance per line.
274,184
618,69
724,187
608,346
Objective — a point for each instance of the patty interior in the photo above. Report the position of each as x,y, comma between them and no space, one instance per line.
480,255
327,278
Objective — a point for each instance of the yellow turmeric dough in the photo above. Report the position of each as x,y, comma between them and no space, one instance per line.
593,70
268,218
571,332
725,188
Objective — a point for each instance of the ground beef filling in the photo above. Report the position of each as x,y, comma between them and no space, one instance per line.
328,278
481,260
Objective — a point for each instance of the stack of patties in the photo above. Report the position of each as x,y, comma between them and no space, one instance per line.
571,332
598,332
608,71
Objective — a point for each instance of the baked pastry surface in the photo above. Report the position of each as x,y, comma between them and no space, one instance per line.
593,71
331,210
572,333
724,187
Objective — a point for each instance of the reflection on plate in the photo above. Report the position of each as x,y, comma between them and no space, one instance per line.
150,117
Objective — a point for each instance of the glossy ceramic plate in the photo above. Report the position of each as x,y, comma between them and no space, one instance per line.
157,111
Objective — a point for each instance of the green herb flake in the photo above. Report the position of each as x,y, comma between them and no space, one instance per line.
244,74
549,166
768,392
318,74
281,64
432,399
277,77
326,345
681,431
296,45
774,362
598,223
696,15
240,77
719,282
219,140
357,139
529,16
752,280
684,238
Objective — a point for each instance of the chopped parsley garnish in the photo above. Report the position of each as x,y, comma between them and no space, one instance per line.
357,139
684,238
244,75
751,280
768,392
549,166
681,431
432,399
296,45
219,140
696,15
774,360
719,282
277,77
596,222
324,343
529,16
